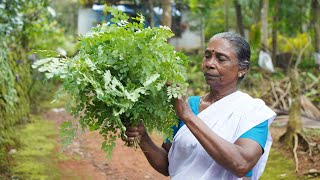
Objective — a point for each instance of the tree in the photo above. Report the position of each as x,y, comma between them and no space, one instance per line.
293,15
239,17
151,14
264,25
294,127
315,22
227,15
216,15
166,13
24,25
275,18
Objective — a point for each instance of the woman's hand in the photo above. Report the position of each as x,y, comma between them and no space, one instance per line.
156,156
134,132
183,110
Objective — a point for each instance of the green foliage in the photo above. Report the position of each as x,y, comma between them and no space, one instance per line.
7,26
29,23
89,3
7,83
8,140
123,74
308,63
255,35
24,25
211,13
67,132
250,11
293,44
217,12
66,15
196,81
293,14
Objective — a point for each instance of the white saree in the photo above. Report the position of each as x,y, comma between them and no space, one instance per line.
229,117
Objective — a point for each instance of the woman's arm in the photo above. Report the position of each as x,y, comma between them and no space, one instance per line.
157,156
239,157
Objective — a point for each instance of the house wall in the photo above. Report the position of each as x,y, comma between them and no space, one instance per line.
190,40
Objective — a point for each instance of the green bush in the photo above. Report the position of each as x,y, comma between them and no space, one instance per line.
24,25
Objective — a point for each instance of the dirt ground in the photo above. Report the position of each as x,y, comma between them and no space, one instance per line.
87,161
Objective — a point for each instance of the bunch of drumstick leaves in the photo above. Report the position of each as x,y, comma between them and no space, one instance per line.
123,74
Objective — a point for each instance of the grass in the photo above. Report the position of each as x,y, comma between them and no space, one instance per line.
37,159
278,167
50,103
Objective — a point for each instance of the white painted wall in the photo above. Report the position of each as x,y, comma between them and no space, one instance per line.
189,40
86,20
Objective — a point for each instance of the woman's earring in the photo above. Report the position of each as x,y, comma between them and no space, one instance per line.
241,75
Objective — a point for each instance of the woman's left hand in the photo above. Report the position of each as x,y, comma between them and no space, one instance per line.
182,108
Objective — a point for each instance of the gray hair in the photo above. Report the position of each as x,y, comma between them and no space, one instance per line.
240,46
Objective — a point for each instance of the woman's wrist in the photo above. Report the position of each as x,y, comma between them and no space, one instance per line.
144,138
188,118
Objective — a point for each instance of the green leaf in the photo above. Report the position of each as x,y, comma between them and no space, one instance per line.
67,133
312,76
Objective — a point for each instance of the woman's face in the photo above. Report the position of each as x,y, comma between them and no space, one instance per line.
220,65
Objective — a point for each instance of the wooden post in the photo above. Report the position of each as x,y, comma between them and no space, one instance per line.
166,13
264,25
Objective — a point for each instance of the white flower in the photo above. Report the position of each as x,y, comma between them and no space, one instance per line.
122,23
165,27
51,11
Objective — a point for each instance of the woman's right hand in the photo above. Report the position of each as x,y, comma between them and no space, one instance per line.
157,157
134,132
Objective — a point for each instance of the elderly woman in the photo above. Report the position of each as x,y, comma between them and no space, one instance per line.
221,135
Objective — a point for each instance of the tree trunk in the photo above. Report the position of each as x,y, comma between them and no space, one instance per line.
295,124
203,37
239,17
300,20
227,15
151,14
294,128
166,13
264,25
274,31
315,22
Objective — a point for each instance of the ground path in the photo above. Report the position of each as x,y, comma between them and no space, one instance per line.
87,161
